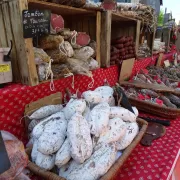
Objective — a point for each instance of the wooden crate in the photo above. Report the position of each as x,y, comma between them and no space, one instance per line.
24,69
23,65
149,36
78,19
115,25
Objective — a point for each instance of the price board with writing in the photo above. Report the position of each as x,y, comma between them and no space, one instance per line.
36,23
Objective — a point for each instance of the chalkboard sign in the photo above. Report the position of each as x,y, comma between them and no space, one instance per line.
36,23
5,163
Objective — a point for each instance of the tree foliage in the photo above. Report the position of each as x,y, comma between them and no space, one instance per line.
161,18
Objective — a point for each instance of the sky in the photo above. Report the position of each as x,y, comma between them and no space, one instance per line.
174,6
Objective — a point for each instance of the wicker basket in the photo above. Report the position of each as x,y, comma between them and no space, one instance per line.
155,109
110,175
149,107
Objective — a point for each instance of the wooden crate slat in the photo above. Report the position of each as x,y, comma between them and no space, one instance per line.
120,17
9,37
138,29
24,47
59,9
27,52
98,38
105,38
3,38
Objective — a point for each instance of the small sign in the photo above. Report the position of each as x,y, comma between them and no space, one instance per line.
4,68
167,63
5,162
36,23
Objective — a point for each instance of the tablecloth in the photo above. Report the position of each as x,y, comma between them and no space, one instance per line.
176,172
153,162
13,98
143,63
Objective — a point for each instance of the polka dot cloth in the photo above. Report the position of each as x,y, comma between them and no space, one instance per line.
154,162
145,163
14,97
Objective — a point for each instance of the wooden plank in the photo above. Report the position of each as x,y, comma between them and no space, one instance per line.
166,37
156,87
120,17
85,25
3,38
9,37
159,62
137,39
118,30
98,38
24,47
59,9
92,27
153,38
105,38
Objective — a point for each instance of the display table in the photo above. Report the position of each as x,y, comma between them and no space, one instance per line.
155,162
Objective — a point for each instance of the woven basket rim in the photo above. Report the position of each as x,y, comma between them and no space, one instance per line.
155,105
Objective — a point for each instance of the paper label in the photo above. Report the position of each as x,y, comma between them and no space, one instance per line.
4,68
166,63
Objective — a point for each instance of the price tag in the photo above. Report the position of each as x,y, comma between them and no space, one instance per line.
4,68
36,23
167,63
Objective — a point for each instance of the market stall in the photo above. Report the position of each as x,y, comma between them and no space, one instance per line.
160,157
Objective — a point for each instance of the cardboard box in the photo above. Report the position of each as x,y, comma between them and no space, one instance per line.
126,69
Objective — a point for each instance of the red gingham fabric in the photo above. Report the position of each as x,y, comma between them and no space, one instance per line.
143,63
13,98
153,162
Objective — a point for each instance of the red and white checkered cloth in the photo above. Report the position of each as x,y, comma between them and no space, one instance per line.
153,162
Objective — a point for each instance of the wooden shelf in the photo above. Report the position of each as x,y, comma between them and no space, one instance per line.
59,9
120,17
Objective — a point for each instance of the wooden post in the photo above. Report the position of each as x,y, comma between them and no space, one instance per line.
105,38
150,39
153,38
166,37
138,29
23,65
98,38
159,62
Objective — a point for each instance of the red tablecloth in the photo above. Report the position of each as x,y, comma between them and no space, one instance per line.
13,98
154,162
143,63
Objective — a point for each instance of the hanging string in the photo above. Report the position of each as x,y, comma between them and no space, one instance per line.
69,75
91,84
74,38
62,48
136,75
50,73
